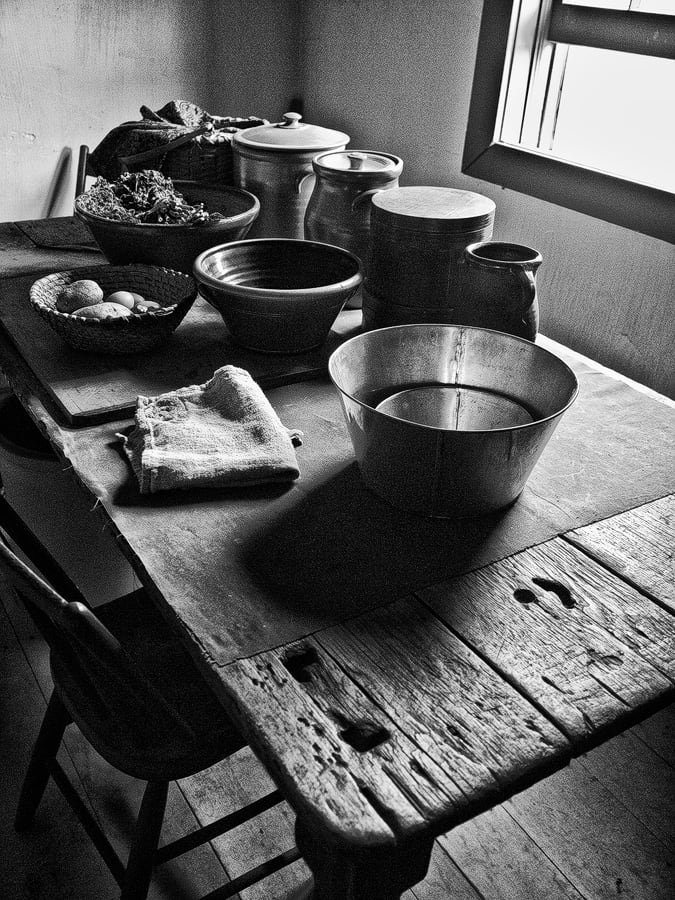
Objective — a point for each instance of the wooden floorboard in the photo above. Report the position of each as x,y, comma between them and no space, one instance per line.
600,829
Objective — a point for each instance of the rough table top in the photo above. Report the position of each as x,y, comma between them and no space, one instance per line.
398,674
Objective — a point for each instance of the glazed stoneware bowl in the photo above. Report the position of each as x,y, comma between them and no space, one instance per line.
278,295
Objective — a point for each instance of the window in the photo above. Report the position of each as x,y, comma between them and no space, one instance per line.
574,102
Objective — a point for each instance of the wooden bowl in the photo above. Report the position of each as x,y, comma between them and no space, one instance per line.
174,291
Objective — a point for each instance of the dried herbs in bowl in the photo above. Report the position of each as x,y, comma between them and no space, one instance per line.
148,218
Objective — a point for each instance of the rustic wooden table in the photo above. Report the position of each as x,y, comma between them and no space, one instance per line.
396,675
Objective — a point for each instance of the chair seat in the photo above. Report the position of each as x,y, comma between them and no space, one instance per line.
157,749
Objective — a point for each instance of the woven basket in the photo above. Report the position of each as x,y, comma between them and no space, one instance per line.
175,291
188,158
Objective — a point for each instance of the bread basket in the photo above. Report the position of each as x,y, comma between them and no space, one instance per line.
174,291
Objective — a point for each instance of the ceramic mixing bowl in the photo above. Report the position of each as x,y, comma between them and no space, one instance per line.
278,295
174,246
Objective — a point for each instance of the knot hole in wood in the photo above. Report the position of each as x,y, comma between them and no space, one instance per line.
525,595
558,588
299,662
362,734
562,591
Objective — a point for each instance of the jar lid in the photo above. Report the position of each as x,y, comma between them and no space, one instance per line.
433,209
367,162
291,134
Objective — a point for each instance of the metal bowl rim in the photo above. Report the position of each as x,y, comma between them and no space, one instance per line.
257,292
434,428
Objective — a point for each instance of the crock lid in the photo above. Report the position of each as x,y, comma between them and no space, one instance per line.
291,134
433,208
366,161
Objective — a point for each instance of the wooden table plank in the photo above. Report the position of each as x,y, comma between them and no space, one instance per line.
580,642
391,725
639,545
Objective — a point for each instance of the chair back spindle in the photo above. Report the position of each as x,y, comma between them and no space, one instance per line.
99,677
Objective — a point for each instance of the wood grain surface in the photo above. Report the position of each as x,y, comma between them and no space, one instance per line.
500,675
579,641
639,545
391,725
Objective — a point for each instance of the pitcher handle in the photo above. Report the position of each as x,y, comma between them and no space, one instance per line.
363,197
301,179
529,314
528,285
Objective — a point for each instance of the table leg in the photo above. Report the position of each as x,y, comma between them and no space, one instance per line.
359,873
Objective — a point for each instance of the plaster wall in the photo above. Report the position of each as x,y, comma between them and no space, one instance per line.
397,77
73,69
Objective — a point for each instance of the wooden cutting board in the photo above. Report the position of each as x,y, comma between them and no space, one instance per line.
91,388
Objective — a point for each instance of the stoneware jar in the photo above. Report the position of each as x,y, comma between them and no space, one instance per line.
501,290
415,271
274,162
338,211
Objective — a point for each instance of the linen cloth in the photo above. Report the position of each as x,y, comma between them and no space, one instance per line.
221,433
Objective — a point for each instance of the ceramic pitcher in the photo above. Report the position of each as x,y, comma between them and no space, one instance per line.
501,289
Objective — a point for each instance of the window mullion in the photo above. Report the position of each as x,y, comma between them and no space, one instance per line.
513,98
553,94
542,57
649,34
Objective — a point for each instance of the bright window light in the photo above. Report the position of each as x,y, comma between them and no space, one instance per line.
611,115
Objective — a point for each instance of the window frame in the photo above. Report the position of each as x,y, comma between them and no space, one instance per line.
630,204
631,30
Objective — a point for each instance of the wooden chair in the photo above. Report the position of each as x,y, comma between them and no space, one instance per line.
121,676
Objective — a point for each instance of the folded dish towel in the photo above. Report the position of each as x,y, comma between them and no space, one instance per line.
222,433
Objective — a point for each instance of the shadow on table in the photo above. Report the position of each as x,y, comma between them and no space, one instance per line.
342,545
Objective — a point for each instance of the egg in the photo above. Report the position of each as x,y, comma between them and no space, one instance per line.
123,298
141,306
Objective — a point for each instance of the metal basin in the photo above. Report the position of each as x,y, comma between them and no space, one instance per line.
446,420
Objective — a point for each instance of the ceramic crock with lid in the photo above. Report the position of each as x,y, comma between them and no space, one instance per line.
338,211
416,270
274,162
